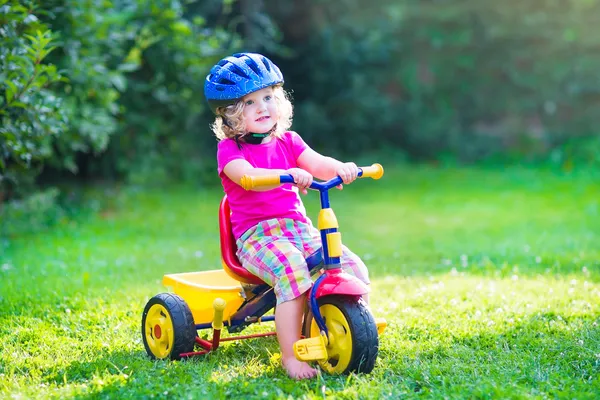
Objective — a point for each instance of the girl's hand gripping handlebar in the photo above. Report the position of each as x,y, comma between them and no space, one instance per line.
375,171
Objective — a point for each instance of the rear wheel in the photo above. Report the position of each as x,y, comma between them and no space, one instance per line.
168,327
353,342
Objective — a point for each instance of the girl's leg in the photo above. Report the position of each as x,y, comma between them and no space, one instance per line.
288,322
272,254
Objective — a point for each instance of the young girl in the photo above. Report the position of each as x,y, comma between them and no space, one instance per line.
273,233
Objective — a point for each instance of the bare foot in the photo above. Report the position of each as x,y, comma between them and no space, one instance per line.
298,369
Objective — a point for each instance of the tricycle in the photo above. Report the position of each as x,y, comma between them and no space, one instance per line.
338,331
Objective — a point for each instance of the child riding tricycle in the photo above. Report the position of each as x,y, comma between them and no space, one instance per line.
339,331
271,250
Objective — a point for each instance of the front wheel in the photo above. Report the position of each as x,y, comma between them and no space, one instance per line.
168,327
353,342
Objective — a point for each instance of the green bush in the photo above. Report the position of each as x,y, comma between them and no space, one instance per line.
127,101
467,79
103,89
338,77
31,114
163,133
139,67
114,89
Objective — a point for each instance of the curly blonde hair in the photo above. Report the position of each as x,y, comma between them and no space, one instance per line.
235,119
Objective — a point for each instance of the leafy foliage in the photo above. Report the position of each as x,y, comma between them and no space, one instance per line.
162,133
113,89
131,75
518,77
30,112
465,78
337,75
139,68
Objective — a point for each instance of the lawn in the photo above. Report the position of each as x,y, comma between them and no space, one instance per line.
489,281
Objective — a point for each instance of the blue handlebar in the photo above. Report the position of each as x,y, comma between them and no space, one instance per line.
320,186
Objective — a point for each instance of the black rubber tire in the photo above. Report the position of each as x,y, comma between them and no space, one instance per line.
184,328
365,340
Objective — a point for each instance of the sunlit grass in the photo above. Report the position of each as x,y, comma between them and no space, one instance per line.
489,281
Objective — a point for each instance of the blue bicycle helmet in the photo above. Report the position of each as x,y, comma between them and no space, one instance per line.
238,75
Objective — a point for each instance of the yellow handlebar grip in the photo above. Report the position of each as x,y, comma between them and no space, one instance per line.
250,182
375,171
219,306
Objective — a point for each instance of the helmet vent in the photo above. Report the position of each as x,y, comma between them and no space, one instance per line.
238,71
226,81
266,63
253,66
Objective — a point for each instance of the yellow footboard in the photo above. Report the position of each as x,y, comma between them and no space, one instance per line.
200,289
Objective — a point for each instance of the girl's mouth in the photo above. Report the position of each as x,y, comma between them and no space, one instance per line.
261,119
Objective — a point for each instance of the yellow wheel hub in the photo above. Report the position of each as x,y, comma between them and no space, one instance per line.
158,329
339,347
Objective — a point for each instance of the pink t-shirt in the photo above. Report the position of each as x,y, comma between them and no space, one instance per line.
249,207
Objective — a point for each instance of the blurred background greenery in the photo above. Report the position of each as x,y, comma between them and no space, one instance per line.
97,90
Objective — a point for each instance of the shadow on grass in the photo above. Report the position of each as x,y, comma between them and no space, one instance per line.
545,355
238,368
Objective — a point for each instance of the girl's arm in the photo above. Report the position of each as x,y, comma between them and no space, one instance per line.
235,169
325,168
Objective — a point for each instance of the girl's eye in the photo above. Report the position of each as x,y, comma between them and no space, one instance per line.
249,102
268,98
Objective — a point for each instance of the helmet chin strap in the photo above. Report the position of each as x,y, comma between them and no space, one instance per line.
257,138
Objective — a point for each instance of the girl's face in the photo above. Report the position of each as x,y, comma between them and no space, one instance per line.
260,111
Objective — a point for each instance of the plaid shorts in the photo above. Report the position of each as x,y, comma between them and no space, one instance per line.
275,251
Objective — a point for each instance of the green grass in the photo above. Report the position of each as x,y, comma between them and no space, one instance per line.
489,280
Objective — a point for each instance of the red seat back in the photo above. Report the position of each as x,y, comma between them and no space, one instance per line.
231,264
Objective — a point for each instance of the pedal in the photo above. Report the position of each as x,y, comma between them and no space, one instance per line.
311,349
381,324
